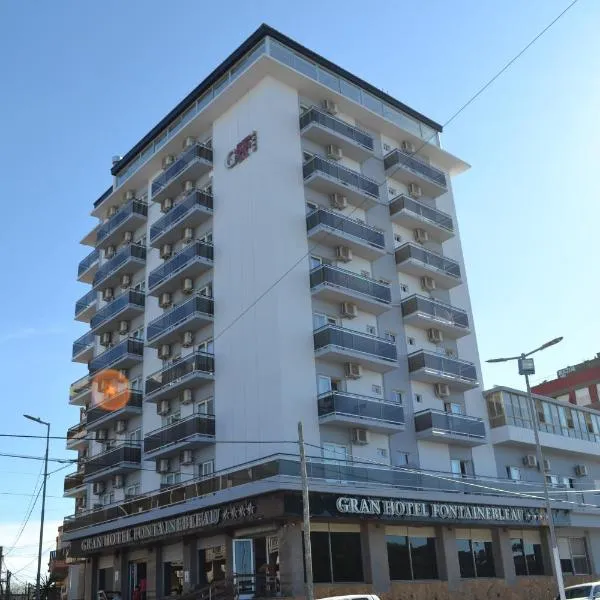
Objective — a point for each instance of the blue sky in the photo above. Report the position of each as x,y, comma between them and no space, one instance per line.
85,80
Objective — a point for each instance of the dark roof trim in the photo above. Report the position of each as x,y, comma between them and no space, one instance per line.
104,196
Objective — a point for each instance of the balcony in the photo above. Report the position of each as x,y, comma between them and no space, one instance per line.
322,128
191,315
83,348
449,428
73,485
328,177
352,410
98,417
57,564
334,284
190,371
123,355
88,267
128,218
193,210
192,432
409,168
80,393
85,307
414,214
124,307
120,459
77,436
416,260
192,261
189,165
127,259
430,367
425,313
331,228
345,345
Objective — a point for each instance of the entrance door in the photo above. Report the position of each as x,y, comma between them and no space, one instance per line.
243,567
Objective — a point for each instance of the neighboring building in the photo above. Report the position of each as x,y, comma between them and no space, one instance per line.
578,384
58,569
283,247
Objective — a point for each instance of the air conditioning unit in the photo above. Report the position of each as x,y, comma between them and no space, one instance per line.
107,294
121,426
166,251
162,465
123,327
118,481
408,147
188,235
343,253
360,436
109,252
189,142
166,205
101,435
187,396
163,408
164,352
349,310
435,336
352,370
428,283
334,152
188,186
187,457
546,464
581,470
421,236
530,460
106,338
168,160
338,201
125,280
188,339
165,300
414,190
129,195
188,285
442,390
330,106
112,211
98,488
128,237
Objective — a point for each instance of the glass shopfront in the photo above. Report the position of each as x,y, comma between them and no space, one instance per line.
336,553
411,553
526,548
475,554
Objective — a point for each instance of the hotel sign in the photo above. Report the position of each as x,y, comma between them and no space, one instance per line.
242,151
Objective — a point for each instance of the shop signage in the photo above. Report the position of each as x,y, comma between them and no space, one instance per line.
242,151
393,508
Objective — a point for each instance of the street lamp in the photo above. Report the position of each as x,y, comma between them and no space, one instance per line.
527,368
39,565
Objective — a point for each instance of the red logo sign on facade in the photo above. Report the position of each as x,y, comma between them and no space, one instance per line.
242,151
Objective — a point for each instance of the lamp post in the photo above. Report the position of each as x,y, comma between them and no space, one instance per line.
39,565
527,368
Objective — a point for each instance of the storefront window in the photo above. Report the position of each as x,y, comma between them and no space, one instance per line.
411,553
527,552
173,578
475,555
336,557
573,556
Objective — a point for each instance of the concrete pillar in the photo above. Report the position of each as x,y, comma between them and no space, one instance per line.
375,562
291,559
228,557
122,574
154,571
503,558
91,578
190,563
447,556
546,551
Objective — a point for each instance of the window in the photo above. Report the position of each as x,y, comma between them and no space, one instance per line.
141,241
390,336
397,239
133,490
171,418
382,452
397,396
137,334
107,498
460,468
320,320
135,384
205,407
553,480
411,553
513,473
410,341
475,553
391,191
170,478
454,408
527,552
140,286
206,346
206,238
404,288
206,468
310,206
135,437
206,291
403,458
418,398
376,389
336,557
573,556
307,156
371,329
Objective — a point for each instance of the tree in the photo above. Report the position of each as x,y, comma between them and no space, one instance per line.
48,588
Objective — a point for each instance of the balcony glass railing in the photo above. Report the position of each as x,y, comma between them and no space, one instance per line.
179,261
87,262
85,301
108,311
352,227
180,211
332,335
97,412
435,309
427,213
416,165
81,386
196,424
132,207
314,115
198,362
76,431
110,357
119,259
83,343
449,423
193,154
347,177
447,266
341,278
353,405
73,481
127,452
444,365
179,315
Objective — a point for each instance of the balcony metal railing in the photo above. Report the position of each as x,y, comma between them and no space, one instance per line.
179,212
347,177
179,261
431,259
435,309
108,311
416,165
82,385
364,407
121,257
85,301
444,365
332,335
196,424
428,213
97,412
179,315
75,431
73,481
113,355
187,157
127,452
346,225
200,362
87,262
83,343
449,423
132,207
314,115
341,278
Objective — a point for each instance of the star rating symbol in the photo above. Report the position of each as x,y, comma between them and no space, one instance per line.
226,514
250,509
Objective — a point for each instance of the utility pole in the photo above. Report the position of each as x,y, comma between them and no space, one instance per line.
309,587
8,574
1,555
